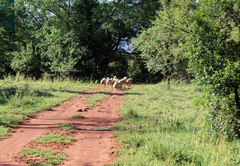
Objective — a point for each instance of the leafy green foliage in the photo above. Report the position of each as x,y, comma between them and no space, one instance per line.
59,52
159,44
82,38
6,38
212,45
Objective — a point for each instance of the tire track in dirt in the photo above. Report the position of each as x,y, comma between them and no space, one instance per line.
93,144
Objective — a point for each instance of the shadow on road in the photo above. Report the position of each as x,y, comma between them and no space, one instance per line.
116,92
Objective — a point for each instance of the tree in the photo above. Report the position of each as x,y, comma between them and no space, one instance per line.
159,44
99,32
212,44
47,37
121,21
6,38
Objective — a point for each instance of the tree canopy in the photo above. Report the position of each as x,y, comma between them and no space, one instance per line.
6,37
159,44
211,43
205,35
79,38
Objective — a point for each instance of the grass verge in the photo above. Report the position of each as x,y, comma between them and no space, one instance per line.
164,127
21,98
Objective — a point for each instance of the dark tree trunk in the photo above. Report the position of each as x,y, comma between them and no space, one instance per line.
168,79
105,67
237,101
236,97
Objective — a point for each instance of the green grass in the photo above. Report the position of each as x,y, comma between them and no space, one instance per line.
95,99
67,127
54,138
164,127
21,98
4,132
77,116
48,157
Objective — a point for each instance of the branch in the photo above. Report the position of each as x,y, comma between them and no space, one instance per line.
54,12
112,11
68,8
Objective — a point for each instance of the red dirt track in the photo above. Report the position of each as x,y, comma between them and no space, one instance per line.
94,143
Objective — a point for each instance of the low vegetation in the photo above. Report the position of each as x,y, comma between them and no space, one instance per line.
67,127
55,138
21,98
165,127
96,98
158,126
48,157
178,125
77,116
35,156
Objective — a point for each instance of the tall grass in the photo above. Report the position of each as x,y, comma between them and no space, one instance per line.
22,97
164,127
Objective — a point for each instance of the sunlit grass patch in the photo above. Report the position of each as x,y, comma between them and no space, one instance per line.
54,138
77,116
67,127
8,119
98,97
46,156
4,132
161,126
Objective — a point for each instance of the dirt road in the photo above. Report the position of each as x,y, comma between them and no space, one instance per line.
94,142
